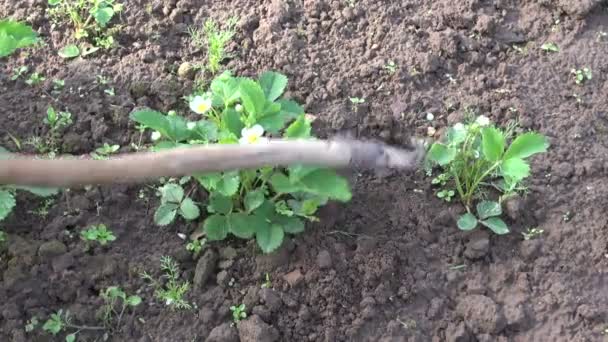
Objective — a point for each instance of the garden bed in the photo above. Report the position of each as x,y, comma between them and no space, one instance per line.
391,264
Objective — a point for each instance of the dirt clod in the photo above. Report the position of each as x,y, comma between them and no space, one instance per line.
204,268
294,278
254,329
481,314
223,333
51,249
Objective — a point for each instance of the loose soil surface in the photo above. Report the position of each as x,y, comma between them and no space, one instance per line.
389,266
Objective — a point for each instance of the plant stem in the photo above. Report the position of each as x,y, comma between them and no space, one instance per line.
471,190
83,327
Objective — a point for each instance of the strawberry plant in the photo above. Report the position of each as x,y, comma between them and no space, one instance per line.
266,203
90,19
477,154
15,35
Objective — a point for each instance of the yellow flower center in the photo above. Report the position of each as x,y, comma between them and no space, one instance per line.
252,138
202,107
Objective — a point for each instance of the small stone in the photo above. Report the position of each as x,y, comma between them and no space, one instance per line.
226,264
271,299
223,279
294,278
186,71
51,249
204,268
513,207
253,329
228,253
62,262
478,246
481,314
324,259
223,333
457,333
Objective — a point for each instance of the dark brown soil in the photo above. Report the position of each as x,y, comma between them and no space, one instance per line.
389,266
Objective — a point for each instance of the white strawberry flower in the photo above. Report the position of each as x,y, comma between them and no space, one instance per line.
253,135
155,135
201,104
482,120
459,126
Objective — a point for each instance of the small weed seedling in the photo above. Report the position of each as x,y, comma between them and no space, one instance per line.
99,233
31,324
356,101
266,203
214,39
19,72
391,67
477,154
581,75
35,79
196,246
90,19
267,283
105,151
173,291
116,302
238,313
549,47
57,120
61,321
532,233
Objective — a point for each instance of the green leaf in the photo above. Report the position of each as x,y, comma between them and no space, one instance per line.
69,51
291,225
54,2
273,84
515,169
441,154
39,191
165,213
550,47
232,121
229,184
216,227
497,225
487,209
209,181
297,172
467,221
290,109
206,130
133,300
7,203
8,44
103,15
254,199
15,35
172,193
219,204
70,337
177,128
493,143
189,210
456,136
151,119
252,96
272,123
244,226
299,129
527,145
328,183
225,90
280,183
269,238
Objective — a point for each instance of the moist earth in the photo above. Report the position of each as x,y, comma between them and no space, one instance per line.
391,264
